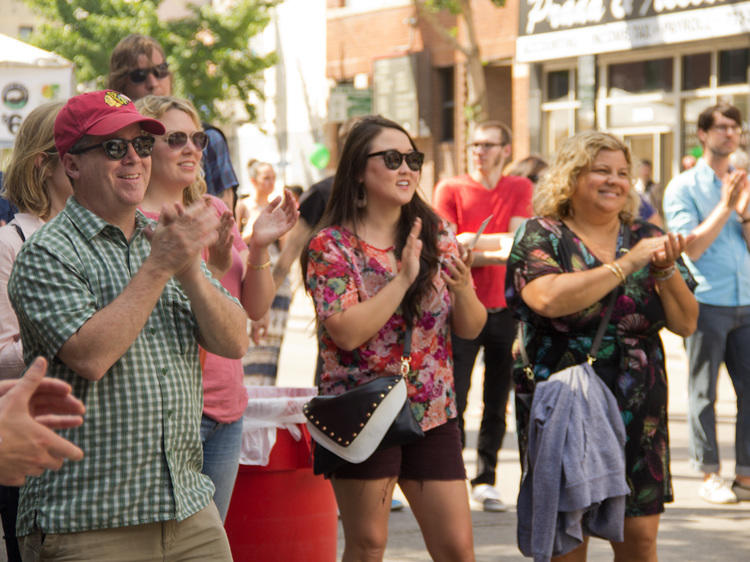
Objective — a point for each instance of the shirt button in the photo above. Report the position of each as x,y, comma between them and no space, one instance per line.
164,371
170,413
151,331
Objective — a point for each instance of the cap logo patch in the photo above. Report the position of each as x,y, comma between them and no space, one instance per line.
116,99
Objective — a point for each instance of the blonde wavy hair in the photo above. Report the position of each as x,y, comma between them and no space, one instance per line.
33,159
552,195
156,107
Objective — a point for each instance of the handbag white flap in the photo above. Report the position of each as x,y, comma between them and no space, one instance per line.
366,442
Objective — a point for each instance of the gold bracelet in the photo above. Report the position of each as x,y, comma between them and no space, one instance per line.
616,271
261,266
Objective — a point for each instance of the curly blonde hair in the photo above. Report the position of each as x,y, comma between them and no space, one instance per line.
553,194
156,107
25,182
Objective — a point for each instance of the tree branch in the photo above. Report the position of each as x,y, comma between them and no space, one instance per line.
430,17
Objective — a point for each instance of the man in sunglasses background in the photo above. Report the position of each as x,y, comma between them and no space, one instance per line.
118,304
466,202
137,68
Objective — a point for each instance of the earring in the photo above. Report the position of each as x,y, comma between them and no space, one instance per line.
362,199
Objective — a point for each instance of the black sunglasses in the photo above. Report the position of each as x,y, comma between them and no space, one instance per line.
178,139
116,149
140,74
393,158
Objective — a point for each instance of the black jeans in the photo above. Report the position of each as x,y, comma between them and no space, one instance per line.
497,339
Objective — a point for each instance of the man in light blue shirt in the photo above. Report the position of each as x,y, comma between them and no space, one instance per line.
711,201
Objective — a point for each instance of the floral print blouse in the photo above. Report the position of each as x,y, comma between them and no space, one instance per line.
344,270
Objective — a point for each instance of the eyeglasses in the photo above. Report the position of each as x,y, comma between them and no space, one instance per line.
140,74
393,158
116,149
178,139
484,145
736,129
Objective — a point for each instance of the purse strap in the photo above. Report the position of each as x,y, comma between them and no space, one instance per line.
406,355
597,342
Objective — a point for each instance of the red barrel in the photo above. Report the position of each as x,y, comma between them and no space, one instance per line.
282,512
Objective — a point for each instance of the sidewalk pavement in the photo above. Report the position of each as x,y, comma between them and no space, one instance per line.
691,530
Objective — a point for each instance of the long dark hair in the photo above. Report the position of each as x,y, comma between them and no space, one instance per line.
342,208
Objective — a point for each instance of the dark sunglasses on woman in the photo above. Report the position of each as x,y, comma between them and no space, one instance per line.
140,74
116,149
393,158
178,139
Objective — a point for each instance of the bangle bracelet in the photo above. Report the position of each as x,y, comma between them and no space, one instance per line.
664,273
658,268
261,266
615,268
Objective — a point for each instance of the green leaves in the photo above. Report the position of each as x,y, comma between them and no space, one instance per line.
208,51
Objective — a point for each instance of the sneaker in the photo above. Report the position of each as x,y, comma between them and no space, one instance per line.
715,490
742,492
489,497
396,505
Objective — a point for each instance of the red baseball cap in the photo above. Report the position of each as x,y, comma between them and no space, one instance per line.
98,113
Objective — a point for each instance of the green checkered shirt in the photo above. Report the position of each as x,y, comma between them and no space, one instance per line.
141,431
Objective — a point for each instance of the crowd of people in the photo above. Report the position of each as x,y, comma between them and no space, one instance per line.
133,276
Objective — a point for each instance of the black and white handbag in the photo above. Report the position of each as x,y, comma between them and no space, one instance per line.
350,427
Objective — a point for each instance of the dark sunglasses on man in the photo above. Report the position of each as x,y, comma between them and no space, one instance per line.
140,74
393,158
116,149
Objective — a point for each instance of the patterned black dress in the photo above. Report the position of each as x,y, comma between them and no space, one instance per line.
630,359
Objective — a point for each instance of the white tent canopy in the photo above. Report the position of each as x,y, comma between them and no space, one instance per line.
29,77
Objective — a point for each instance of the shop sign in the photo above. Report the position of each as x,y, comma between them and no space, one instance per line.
551,29
23,89
346,102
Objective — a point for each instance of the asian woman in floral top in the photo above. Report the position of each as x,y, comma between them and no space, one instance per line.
562,268
384,259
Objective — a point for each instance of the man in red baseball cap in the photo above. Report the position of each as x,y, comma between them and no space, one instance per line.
118,304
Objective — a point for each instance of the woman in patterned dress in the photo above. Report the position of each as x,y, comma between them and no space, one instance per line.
563,265
384,259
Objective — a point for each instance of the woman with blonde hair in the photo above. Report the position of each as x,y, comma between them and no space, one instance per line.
243,269
583,254
36,183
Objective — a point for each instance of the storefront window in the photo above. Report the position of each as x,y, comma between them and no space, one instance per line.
691,109
558,84
447,103
696,71
640,76
733,65
558,128
625,114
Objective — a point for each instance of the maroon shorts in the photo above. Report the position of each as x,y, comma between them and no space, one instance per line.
435,457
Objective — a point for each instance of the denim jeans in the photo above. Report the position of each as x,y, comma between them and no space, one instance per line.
221,458
723,335
497,339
